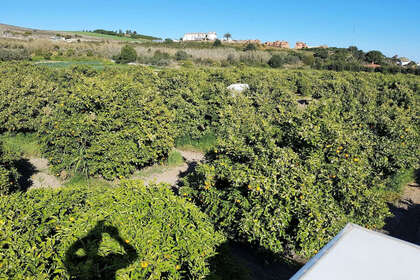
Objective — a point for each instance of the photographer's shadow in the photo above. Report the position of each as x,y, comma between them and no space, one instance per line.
82,259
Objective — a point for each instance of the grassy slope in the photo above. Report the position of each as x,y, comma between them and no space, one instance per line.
21,144
105,36
204,144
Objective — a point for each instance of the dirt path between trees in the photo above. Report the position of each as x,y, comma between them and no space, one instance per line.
171,175
405,224
35,174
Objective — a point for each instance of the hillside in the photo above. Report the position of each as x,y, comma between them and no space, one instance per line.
17,32
17,43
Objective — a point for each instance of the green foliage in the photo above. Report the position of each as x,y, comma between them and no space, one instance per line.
181,55
107,126
146,231
106,32
205,143
288,179
217,43
175,158
353,59
159,58
14,54
26,92
227,36
279,174
193,95
308,59
224,266
25,144
70,52
276,61
250,47
375,57
79,179
8,173
402,178
128,54
89,53
321,53
133,35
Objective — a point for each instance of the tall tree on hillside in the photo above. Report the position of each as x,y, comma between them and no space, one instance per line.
217,43
227,36
250,47
375,57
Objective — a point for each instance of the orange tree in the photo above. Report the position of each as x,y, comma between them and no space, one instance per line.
25,92
148,232
8,173
288,179
107,126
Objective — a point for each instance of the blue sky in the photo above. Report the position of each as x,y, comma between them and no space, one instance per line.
392,27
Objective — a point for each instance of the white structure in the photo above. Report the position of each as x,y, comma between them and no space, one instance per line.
358,253
57,38
238,87
209,36
403,63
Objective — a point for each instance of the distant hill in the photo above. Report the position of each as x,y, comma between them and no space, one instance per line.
17,31
14,28
22,30
101,33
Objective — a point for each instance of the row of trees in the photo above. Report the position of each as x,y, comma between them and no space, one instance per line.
350,55
127,33
280,176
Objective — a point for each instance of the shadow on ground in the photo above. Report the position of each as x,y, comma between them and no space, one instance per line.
417,176
190,169
25,170
405,223
84,263
240,261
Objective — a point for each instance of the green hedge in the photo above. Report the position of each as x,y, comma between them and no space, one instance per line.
108,127
146,233
25,93
289,178
8,173
194,97
7,54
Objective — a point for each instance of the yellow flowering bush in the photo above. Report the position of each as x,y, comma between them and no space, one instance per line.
147,232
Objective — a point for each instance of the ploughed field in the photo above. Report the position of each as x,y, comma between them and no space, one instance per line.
294,158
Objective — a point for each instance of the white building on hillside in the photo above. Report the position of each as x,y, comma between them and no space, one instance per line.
403,63
209,36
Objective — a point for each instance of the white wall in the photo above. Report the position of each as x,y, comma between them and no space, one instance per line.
200,36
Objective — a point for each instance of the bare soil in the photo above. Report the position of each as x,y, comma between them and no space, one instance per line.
172,175
405,224
35,174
